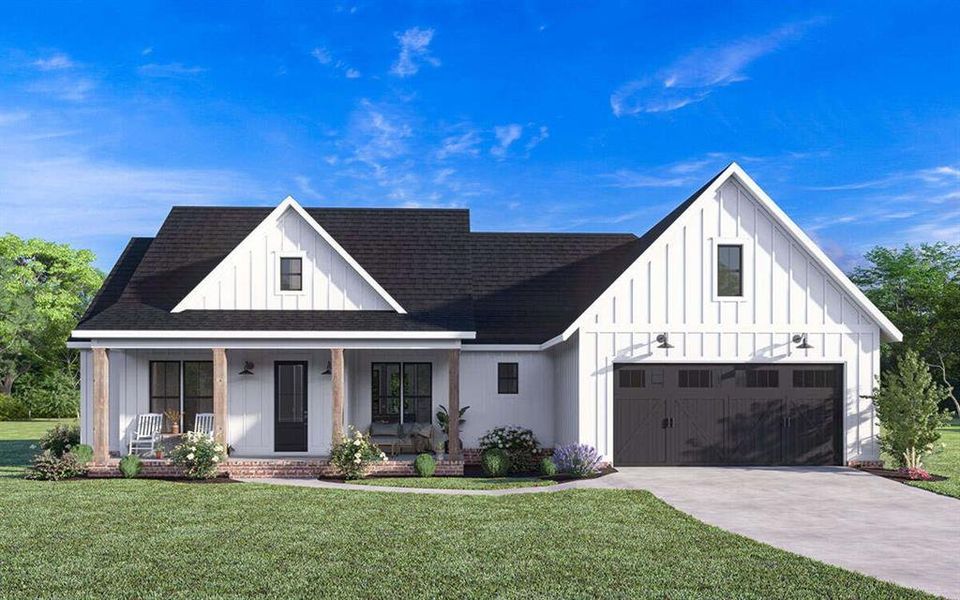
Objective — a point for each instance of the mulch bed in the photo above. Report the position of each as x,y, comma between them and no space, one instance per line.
219,479
897,475
475,471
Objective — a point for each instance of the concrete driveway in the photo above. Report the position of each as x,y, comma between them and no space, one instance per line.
836,515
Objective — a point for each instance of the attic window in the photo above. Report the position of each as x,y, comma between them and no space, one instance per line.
729,270
291,274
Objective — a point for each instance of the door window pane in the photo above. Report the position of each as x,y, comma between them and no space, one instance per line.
197,391
385,392
164,388
290,393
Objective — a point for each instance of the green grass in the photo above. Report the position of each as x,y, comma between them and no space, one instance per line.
457,483
945,462
16,437
156,539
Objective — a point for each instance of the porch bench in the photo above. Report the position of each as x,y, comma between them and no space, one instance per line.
406,438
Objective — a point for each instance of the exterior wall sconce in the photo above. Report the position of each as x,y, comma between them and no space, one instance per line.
801,340
662,341
247,368
326,371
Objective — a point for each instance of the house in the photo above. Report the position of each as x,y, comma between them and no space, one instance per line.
723,335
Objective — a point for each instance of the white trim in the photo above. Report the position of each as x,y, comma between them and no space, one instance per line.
279,335
278,256
272,344
745,259
79,345
502,347
888,330
275,215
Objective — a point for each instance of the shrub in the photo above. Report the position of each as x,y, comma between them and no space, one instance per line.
199,455
907,404
353,454
519,443
495,462
914,473
547,467
425,465
60,439
83,453
579,460
12,409
131,465
48,466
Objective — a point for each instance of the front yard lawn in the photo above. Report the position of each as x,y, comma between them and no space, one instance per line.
457,483
16,437
945,462
158,539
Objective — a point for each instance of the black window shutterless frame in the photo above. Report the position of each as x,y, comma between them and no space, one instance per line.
291,274
729,270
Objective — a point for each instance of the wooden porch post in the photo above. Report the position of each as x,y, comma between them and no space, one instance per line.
220,395
453,441
336,367
101,406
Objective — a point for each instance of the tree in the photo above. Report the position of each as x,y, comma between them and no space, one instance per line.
44,289
908,406
918,288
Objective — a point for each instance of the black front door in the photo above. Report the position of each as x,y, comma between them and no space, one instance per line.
290,406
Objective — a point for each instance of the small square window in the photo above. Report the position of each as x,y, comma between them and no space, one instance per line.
635,378
695,378
291,274
729,270
508,378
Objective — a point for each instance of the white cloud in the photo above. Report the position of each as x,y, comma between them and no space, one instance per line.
55,62
542,134
697,74
326,58
506,135
169,70
322,55
352,74
73,89
467,143
628,178
305,185
414,50
147,51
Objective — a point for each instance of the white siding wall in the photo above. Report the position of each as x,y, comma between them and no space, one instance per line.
566,386
250,399
670,290
247,279
533,407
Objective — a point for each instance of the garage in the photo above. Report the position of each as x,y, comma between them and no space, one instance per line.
727,414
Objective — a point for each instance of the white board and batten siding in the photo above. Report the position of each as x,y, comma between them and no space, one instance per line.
248,278
670,289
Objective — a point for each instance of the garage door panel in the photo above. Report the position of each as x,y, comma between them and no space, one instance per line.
753,431
809,435
639,431
695,435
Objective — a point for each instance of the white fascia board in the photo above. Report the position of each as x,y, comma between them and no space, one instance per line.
274,335
502,347
253,344
888,330
79,345
274,215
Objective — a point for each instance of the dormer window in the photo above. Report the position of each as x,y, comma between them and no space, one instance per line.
291,274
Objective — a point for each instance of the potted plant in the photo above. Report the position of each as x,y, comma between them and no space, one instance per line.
174,416
443,420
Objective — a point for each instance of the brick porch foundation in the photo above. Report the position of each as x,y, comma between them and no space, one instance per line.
304,468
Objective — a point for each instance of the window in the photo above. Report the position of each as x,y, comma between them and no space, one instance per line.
762,378
695,378
814,378
196,395
508,378
291,274
164,388
635,378
411,402
729,270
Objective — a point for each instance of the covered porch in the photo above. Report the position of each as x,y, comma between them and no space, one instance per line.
278,405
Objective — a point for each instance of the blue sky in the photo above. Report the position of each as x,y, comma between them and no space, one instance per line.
537,116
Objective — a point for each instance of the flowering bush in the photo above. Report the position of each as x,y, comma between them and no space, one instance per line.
579,460
915,473
60,439
351,456
199,455
48,466
519,443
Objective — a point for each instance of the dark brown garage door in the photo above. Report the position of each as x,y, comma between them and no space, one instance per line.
735,414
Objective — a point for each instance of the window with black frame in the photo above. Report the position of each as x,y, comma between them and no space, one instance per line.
508,378
291,274
164,389
729,270
411,403
197,391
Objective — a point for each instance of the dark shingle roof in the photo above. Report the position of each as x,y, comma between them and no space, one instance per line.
516,288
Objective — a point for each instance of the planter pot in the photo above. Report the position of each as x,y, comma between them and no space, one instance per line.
175,429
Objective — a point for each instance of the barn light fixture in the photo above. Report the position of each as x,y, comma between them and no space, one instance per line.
327,371
801,340
662,341
247,368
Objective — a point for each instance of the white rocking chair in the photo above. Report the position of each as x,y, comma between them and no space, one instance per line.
203,423
145,438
